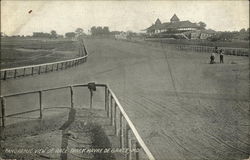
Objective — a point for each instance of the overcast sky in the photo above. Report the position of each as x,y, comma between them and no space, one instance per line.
66,16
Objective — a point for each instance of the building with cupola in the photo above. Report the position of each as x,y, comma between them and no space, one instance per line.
178,29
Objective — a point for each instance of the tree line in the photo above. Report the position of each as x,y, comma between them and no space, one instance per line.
53,34
243,34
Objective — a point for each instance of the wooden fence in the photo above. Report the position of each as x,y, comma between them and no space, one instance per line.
227,51
44,68
195,48
124,128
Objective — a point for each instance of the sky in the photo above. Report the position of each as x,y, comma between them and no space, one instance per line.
66,16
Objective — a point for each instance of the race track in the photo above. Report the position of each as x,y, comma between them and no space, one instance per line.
183,107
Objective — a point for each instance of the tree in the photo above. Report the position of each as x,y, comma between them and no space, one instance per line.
99,30
106,30
93,30
202,25
53,34
41,35
70,35
79,31
243,30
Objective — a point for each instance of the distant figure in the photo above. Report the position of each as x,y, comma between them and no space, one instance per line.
212,58
221,56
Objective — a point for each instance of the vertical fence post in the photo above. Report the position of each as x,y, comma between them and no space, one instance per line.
108,105
39,70
52,67
15,73
24,71
71,97
5,75
57,66
3,111
106,98
40,104
91,99
111,111
128,140
121,131
137,145
115,121
46,67
32,70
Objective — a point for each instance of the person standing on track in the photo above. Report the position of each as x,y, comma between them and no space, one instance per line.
212,58
221,56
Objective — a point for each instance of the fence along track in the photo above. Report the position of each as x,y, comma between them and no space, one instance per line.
44,68
124,128
227,51
196,48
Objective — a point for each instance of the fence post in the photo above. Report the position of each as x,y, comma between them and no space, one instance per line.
15,73
137,145
111,111
52,67
39,70
3,111
24,71
121,131
129,146
40,104
115,121
46,67
5,75
106,98
57,66
32,70
91,98
71,97
108,105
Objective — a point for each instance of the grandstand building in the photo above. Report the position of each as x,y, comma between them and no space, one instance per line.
177,29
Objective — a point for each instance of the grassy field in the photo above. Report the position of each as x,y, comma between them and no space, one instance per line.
20,52
183,107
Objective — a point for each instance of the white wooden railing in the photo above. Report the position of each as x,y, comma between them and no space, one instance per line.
123,126
46,67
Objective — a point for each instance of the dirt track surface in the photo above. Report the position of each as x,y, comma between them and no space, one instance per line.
200,112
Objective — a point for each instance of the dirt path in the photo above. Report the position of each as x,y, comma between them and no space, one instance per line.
205,116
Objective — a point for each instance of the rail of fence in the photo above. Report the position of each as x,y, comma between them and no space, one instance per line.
198,48
124,128
44,68
227,51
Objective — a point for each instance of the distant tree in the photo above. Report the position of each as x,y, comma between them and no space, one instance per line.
106,30
248,30
93,30
79,31
70,35
59,36
41,35
53,34
202,25
99,30
243,30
